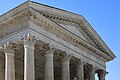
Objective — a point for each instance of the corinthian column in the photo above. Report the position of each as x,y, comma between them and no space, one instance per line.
9,61
65,67
29,68
49,68
92,73
80,70
101,75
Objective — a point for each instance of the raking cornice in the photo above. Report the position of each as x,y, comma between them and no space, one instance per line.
54,14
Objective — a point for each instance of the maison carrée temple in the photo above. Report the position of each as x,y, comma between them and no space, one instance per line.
40,42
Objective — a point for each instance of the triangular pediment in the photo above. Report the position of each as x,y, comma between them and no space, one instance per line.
83,33
65,28
76,24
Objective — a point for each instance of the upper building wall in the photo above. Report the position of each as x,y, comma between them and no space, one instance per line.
57,16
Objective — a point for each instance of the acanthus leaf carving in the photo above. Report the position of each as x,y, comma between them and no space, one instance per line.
8,47
28,39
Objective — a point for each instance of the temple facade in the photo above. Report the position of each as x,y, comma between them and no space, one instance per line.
40,42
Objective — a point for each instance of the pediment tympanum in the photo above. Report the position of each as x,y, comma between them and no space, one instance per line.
74,30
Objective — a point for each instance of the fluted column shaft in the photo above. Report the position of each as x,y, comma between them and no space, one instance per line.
80,70
65,75
92,74
9,61
9,66
29,62
49,65
29,68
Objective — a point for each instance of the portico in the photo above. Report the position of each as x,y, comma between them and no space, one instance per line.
44,43
49,53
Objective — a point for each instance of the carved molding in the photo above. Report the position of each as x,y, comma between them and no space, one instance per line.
66,57
79,62
13,24
50,26
49,49
102,73
64,34
8,47
28,39
79,23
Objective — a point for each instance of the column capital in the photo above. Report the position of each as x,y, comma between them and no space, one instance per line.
66,56
49,49
9,61
102,73
8,48
28,40
79,62
92,68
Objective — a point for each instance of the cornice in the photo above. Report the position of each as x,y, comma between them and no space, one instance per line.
64,34
50,25
74,22
59,15
80,24
15,23
63,16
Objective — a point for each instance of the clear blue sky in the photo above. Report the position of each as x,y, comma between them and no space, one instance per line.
103,15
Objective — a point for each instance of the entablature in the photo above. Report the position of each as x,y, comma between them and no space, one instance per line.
49,21
81,23
59,31
15,23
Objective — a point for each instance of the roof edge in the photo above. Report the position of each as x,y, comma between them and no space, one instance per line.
99,39
28,4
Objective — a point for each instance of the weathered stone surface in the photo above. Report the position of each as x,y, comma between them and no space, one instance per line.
67,32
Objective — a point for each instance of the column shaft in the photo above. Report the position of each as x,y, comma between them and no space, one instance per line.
92,73
101,78
65,75
29,67
29,73
80,72
9,66
9,61
101,75
65,70
49,68
2,74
